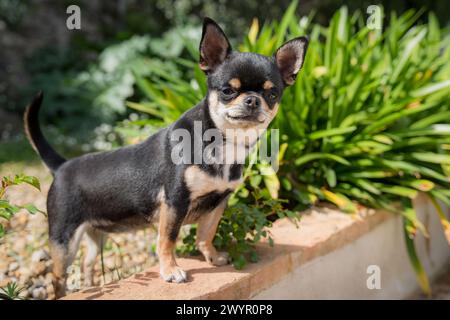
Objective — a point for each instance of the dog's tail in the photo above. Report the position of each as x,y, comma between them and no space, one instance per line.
33,131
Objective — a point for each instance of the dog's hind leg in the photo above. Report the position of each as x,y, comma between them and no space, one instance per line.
206,230
59,256
169,226
63,253
94,243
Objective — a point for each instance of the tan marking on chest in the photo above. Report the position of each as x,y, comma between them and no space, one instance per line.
200,182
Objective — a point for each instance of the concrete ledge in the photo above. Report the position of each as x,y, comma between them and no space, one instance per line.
325,258
321,231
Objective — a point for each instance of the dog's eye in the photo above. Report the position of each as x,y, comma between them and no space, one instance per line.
228,91
272,95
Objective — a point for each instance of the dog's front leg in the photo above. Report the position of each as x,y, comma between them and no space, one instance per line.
206,230
169,226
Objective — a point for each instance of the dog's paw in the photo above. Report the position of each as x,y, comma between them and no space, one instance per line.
220,259
173,274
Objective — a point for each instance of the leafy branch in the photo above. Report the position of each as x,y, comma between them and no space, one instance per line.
8,210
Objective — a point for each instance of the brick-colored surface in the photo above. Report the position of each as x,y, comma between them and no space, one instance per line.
320,231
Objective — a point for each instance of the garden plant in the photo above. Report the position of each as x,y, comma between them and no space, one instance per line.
366,124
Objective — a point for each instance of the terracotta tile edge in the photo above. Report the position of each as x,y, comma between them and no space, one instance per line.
262,274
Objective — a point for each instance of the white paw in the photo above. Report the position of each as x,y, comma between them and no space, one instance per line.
221,259
173,274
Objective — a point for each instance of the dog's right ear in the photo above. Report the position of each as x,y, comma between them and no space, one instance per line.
214,46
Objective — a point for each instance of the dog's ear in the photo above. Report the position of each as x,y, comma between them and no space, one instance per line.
289,58
214,46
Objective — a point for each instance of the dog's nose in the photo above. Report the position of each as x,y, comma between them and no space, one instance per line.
252,102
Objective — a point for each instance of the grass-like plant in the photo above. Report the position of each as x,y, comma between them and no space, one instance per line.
366,123
12,291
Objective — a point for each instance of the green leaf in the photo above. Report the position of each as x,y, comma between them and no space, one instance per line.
330,132
239,262
287,185
243,193
331,177
421,275
442,217
287,17
33,181
400,191
422,184
429,89
410,213
315,156
340,200
32,209
270,179
255,180
405,57
254,257
431,157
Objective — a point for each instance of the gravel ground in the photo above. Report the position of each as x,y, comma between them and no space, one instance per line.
24,250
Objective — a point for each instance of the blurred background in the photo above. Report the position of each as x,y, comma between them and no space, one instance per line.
365,125
85,74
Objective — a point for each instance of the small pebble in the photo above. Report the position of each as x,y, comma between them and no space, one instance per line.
13,266
39,255
38,268
39,293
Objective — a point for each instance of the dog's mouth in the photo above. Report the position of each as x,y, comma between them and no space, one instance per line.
258,118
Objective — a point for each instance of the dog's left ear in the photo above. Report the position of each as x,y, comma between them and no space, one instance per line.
214,46
289,58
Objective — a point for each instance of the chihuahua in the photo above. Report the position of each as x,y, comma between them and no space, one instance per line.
136,185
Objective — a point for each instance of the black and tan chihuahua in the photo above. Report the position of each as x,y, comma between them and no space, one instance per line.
134,186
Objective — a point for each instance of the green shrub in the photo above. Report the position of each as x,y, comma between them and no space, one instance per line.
247,219
84,98
7,210
366,122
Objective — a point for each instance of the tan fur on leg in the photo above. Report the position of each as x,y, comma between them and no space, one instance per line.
59,255
94,243
169,269
207,226
63,257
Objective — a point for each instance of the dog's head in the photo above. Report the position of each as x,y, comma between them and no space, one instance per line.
245,89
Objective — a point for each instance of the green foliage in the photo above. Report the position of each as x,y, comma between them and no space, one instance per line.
12,11
11,292
366,122
355,121
80,100
251,210
17,150
7,210
245,222
85,100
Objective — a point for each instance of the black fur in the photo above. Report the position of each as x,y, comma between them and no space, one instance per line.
52,159
252,70
120,189
122,186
